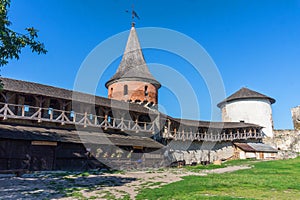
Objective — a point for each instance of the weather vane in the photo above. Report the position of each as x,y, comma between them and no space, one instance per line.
133,15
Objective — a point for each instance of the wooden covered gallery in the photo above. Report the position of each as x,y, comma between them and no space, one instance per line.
49,128
202,141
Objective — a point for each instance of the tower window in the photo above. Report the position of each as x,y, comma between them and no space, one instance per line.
125,89
111,93
146,90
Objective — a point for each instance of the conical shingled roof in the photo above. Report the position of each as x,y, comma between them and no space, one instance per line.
245,93
133,66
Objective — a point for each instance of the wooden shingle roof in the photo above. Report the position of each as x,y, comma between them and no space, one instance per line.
245,93
55,92
215,125
256,147
133,66
21,132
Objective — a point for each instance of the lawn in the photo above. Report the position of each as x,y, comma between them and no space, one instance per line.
196,168
266,180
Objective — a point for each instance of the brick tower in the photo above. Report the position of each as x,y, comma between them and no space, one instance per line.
133,81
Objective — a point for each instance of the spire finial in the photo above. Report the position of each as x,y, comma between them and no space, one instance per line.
133,16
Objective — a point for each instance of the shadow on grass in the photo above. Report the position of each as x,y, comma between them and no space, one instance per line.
48,186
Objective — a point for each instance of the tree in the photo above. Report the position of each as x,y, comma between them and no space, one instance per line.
11,42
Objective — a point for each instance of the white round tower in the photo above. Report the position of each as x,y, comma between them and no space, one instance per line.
250,107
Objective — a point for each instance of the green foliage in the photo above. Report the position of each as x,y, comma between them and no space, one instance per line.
11,42
266,180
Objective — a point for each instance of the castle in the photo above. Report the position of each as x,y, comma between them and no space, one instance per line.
49,128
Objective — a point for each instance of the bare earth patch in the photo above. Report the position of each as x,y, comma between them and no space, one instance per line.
67,186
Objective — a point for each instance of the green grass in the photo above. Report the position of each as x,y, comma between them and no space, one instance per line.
203,167
76,195
225,164
266,180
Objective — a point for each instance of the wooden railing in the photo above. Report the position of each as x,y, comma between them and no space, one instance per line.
25,112
214,137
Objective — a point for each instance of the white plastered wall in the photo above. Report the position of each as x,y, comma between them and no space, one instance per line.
255,111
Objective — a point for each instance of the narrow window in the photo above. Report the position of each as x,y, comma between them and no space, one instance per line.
111,92
146,90
125,89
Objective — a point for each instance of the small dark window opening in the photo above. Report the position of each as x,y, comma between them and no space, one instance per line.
111,92
242,121
146,90
125,89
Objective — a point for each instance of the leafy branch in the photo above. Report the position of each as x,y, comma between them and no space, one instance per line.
11,42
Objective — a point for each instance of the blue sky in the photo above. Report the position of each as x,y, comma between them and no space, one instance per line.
254,43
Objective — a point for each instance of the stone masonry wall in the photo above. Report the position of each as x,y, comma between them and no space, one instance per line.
296,117
201,151
286,141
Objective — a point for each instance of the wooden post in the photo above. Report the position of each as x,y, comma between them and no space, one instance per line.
105,124
95,121
5,111
175,133
51,114
63,118
74,117
122,124
85,120
153,127
129,124
40,115
114,122
169,127
23,111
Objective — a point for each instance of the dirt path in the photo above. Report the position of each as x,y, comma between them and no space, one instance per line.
225,170
157,179
98,186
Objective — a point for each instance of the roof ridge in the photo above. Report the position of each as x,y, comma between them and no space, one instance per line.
62,93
